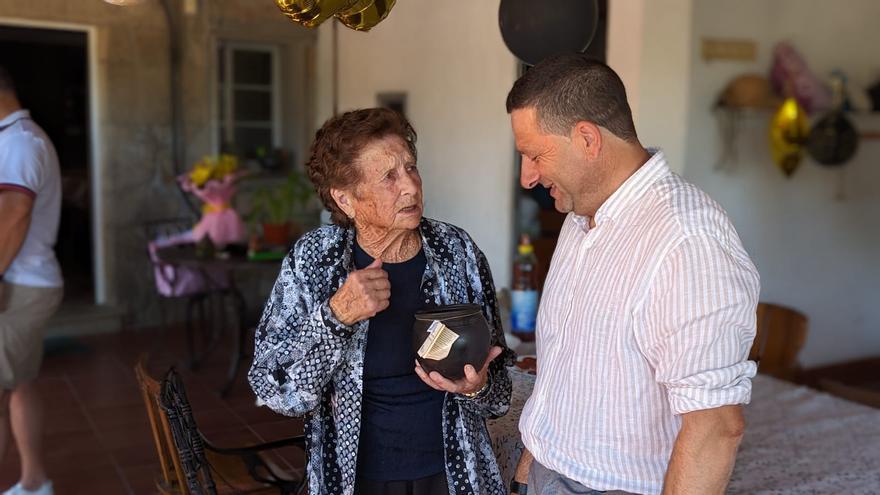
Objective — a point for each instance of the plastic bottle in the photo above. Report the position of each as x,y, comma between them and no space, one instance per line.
524,296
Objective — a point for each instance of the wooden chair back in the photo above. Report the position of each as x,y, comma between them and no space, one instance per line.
781,334
168,460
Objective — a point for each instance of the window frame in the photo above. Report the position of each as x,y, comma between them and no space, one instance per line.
227,123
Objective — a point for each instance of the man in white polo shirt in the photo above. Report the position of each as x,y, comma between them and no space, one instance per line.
31,286
648,310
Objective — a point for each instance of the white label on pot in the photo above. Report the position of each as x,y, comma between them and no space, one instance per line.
439,342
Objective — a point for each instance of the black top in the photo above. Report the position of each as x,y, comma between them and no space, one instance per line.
401,417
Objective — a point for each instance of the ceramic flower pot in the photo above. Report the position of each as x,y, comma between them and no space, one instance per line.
276,234
446,338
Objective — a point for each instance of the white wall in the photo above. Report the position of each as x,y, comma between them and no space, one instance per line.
454,66
649,46
815,253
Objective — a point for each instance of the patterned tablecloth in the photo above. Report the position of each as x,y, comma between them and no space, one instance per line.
797,441
505,430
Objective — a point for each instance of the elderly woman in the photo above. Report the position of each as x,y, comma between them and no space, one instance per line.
335,340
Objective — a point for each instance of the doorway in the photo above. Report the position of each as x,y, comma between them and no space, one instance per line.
51,73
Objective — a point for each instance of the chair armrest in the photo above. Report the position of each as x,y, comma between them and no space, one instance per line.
259,468
298,441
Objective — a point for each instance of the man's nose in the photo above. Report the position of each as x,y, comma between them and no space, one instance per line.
528,174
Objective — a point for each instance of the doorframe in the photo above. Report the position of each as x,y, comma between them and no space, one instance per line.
96,172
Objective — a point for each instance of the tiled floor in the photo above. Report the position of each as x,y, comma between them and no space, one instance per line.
98,440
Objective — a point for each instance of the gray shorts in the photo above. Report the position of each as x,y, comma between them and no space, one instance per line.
24,312
544,481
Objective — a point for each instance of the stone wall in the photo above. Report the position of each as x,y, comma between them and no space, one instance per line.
134,114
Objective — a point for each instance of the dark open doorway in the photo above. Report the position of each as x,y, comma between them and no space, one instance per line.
50,70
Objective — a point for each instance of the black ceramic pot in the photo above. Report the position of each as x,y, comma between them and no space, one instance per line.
470,347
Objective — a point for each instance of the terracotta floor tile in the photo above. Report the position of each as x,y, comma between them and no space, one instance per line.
91,481
119,416
65,420
136,454
216,420
107,393
121,437
142,479
82,366
72,444
253,414
277,430
71,464
9,471
57,394
234,437
98,438
201,398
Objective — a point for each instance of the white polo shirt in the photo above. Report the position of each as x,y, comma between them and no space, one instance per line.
29,164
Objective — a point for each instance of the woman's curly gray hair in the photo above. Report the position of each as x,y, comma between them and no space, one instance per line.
339,143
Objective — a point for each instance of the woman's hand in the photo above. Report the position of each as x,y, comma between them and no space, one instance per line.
363,294
472,382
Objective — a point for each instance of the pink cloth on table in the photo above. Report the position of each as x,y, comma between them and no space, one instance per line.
175,281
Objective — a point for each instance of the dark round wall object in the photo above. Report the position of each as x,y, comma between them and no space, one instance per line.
471,346
833,140
534,30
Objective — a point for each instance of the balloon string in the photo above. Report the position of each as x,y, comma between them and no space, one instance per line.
840,195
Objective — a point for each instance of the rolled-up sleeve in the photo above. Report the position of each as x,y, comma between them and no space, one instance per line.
700,325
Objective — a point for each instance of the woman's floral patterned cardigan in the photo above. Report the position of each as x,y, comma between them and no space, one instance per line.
308,363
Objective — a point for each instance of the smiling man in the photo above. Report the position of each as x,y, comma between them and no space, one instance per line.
648,311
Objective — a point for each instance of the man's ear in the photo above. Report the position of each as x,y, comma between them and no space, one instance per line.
343,201
589,136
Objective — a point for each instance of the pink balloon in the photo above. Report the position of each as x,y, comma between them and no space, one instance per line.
791,76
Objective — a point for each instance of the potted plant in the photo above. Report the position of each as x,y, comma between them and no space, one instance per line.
281,210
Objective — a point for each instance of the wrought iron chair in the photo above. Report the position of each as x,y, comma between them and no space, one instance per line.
190,463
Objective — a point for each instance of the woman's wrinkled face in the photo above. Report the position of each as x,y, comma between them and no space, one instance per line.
389,194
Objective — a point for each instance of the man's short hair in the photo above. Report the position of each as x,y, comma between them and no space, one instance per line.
567,89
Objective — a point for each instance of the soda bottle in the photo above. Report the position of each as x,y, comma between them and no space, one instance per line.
524,296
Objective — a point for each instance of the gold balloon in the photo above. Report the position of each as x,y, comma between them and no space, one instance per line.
310,13
360,15
788,134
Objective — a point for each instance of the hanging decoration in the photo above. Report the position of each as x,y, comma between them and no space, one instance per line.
360,15
788,134
791,77
534,30
213,180
746,95
833,139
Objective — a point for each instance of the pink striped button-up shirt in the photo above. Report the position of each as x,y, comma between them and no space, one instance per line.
646,316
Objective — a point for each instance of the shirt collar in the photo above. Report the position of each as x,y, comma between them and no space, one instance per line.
631,190
12,117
